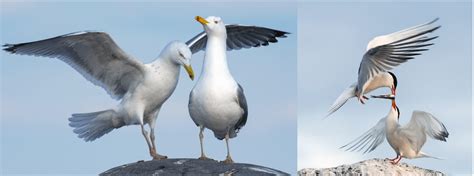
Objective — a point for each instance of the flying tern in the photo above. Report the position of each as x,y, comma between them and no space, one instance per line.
383,54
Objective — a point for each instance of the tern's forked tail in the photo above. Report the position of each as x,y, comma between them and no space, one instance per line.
424,155
342,99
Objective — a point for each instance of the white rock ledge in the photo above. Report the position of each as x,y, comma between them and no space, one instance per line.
371,167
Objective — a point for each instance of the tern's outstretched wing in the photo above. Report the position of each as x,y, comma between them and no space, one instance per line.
240,36
93,54
427,124
369,140
388,51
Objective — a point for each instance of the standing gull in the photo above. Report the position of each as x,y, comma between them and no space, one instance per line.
405,140
383,54
141,88
217,101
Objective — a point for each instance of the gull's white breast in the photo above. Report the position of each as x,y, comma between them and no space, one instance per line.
214,104
156,87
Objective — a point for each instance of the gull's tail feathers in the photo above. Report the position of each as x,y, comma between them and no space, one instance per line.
90,126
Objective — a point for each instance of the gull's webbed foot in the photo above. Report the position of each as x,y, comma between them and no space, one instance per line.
157,156
228,160
204,158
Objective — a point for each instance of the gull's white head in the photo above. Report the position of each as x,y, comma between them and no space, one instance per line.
180,54
213,25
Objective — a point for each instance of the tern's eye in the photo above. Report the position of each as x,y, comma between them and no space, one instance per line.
180,54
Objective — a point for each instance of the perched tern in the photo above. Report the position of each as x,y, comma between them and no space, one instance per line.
217,101
141,88
405,140
383,54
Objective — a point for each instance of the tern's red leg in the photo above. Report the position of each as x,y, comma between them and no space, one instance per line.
361,100
391,160
397,160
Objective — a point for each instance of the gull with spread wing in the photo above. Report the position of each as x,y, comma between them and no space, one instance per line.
141,88
383,54
407,140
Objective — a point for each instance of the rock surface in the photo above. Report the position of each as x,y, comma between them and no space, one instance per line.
186,166
371,167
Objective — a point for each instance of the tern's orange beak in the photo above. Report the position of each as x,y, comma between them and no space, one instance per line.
394,105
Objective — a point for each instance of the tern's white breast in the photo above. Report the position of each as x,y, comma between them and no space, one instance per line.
378,81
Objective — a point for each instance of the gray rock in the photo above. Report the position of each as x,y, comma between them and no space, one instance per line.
186,166
371,167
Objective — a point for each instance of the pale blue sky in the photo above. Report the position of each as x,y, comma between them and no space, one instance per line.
332,39
39,94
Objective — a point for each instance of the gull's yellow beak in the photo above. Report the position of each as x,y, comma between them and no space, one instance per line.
201,20
190,71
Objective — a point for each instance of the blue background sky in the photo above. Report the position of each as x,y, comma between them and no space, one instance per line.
39,94
332,39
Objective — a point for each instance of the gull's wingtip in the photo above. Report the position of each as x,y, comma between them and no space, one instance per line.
282,34
9,47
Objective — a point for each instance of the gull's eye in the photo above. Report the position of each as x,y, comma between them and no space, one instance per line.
216,22
180,54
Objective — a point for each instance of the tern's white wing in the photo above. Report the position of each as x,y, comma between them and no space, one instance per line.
369,140
342,99
93,54
422,124
240,36
388,51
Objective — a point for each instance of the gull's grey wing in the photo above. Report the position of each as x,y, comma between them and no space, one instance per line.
93,54
422,124
370,139
240,36
243,104
198,42
400,47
